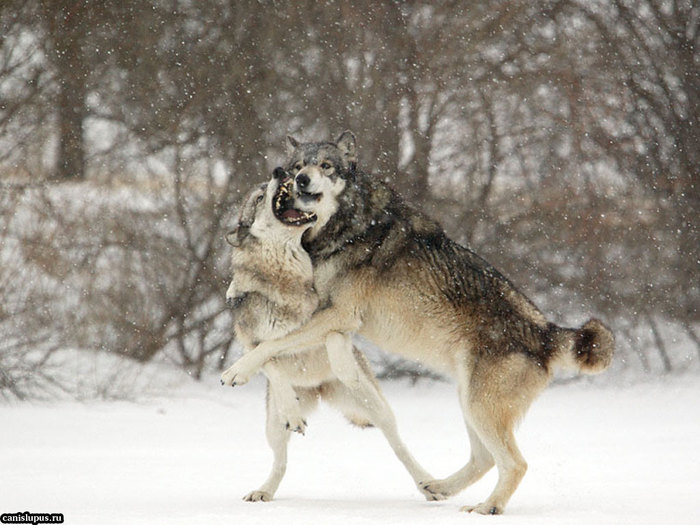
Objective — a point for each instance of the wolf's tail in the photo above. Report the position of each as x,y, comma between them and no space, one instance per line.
588,349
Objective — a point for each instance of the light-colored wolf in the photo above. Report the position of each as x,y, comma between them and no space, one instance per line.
384,270
272,293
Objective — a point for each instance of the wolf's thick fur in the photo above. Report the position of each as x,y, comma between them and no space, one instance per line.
271,294
388,272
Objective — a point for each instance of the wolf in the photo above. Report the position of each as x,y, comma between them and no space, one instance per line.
272,293
386,271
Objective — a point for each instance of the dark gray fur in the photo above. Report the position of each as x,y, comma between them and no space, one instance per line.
375,226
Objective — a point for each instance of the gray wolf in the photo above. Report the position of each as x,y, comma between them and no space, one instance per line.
272,293
386,271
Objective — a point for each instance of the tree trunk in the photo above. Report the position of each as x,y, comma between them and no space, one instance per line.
66,26
70,164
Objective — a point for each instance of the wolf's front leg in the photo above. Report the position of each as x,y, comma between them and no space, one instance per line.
242,370
241,285
309,336
285,397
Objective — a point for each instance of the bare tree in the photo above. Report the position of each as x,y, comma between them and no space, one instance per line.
558,138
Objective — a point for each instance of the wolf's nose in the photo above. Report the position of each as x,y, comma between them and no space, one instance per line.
302,180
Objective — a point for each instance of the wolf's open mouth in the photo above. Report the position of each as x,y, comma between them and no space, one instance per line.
306,196
283,206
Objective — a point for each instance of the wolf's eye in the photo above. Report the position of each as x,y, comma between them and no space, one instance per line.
259,199
298,166
326,165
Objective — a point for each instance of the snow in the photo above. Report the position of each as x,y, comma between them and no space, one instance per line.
596,454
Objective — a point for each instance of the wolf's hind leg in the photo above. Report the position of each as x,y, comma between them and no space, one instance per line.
479,464
511,465
278,439
359,397
497,395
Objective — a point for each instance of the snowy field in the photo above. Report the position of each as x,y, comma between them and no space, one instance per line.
597,455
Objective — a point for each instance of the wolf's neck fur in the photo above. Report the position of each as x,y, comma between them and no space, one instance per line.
369,211
281,246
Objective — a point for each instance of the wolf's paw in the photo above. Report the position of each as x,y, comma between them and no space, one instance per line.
290,412
258,495
435,490
296,425
236,375
483,508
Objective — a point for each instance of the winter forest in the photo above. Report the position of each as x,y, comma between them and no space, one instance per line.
558,139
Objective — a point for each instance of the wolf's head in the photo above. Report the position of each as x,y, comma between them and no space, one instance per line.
321,171
267,213
246,215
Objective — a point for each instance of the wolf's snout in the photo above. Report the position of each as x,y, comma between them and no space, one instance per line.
302,181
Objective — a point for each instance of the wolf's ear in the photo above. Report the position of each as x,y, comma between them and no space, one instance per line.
292,144
346,145
232,237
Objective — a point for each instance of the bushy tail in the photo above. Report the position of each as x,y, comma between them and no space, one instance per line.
588,349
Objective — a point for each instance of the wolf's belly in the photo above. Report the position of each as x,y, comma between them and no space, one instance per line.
406,327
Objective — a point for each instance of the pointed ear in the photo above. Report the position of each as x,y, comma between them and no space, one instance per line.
346,144
232,237
292,144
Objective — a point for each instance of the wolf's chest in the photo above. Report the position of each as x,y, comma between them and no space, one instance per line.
325,276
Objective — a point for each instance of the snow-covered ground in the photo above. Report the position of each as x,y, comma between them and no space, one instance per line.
597,455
